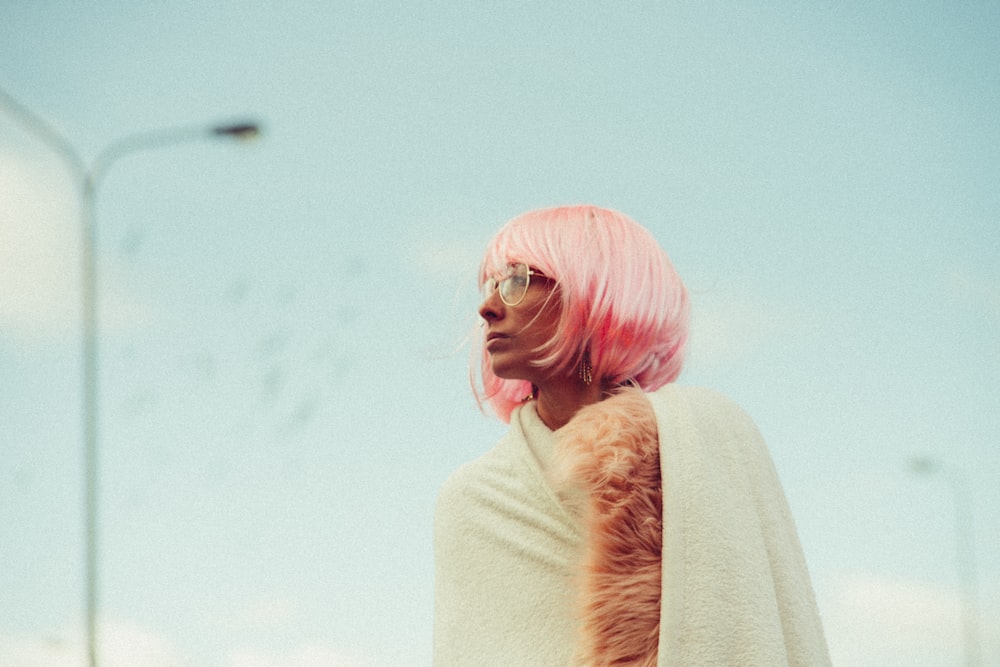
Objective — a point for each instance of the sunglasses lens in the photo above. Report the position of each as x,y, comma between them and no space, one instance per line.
515,285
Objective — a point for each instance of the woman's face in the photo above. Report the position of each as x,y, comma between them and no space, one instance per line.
514,333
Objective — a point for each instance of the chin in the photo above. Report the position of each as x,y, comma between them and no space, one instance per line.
506,372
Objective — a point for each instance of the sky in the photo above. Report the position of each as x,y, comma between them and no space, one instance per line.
283,357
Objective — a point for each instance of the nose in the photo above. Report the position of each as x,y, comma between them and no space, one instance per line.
492,308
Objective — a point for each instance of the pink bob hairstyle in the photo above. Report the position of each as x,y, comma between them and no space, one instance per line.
621,300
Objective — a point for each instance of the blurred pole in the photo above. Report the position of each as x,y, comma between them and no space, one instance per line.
965,552
88,178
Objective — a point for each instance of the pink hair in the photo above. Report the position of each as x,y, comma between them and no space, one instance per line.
621,300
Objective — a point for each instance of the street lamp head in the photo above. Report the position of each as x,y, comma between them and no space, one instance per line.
244,131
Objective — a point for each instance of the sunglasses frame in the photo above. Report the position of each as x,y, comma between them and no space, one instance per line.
493,285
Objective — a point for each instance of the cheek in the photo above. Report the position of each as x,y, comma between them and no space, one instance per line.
551,326
543,330
541,317
550,317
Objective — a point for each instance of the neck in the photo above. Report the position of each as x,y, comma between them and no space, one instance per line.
559,400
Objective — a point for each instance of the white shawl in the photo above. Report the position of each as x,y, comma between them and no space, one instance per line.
504,553
735,589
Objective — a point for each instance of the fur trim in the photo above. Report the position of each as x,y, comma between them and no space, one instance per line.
607,467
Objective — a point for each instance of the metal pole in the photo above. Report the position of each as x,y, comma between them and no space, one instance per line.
89,178
965,559
134,143
966,562
90,406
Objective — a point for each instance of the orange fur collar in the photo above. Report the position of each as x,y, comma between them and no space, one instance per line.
607,469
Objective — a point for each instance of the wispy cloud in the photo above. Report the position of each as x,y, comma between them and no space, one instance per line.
315,655
40,261
127,644
727,326
873,619
977,288
40,652
268,612
122,644
453,261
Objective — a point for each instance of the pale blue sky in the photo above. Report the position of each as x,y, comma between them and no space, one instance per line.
283,380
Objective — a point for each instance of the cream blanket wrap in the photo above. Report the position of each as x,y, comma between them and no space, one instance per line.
735,589
504,551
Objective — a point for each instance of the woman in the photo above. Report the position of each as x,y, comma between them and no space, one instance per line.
622,520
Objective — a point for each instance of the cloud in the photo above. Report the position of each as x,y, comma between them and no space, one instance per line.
39,652
314,655
872,619
980,290
40,261
452,266
276,612
127,644
727,327
453,261
268,613
122,644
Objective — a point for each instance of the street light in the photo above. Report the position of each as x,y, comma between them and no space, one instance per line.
89,177
965,555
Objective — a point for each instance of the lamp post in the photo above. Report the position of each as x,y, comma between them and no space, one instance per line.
965,554
88,178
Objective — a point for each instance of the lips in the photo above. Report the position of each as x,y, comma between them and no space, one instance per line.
494,336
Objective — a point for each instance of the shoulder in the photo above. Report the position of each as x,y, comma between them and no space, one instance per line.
695,398
685,407
502,466
496,461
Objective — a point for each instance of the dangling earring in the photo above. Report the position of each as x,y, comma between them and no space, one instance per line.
586,371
